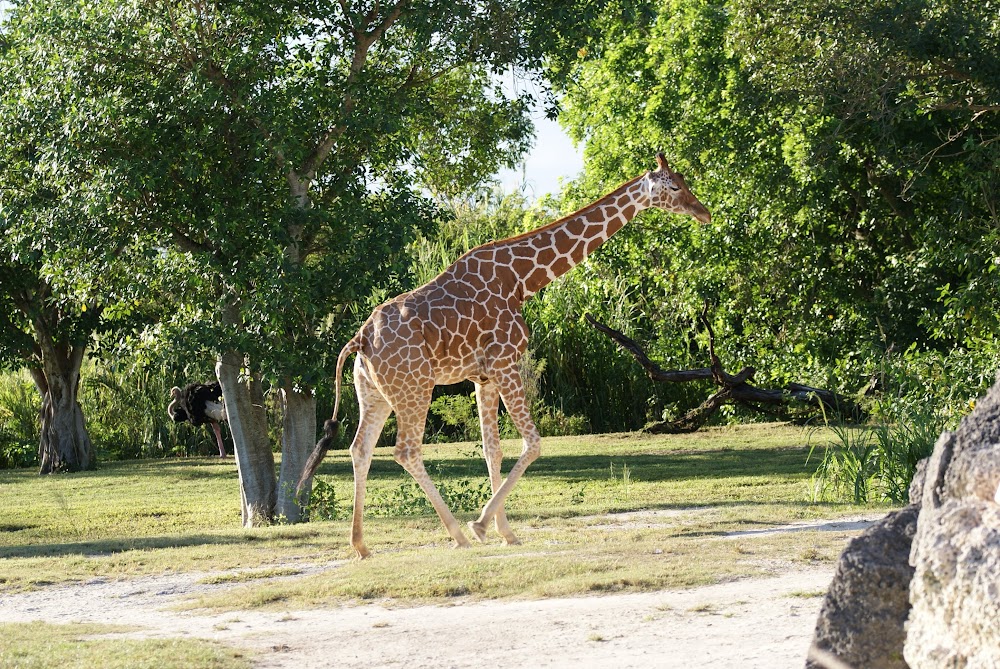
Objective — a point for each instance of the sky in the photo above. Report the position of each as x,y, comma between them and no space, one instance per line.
552,157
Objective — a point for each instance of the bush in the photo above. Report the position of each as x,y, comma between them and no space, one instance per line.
19,425
876,463
457,419
323,502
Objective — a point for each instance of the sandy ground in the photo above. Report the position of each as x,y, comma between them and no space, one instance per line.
766,623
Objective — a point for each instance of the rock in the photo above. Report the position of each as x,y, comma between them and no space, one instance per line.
955,591
917,484
952,531
970,467
863,615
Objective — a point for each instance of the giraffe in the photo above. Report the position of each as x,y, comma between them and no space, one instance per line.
467,324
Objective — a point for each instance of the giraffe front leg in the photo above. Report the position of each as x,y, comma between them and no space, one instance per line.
488,403
512,392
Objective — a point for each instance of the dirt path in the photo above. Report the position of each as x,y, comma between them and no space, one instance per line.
764,623
750,623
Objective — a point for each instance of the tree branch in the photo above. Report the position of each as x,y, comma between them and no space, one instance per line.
364,40
732,388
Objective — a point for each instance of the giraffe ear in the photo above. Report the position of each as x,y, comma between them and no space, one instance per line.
662,162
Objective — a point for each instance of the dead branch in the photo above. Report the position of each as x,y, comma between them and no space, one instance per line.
786,401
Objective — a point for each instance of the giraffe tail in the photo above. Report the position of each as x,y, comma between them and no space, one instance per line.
331,428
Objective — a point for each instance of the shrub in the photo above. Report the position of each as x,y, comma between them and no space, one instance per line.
19,426
323,502
876,463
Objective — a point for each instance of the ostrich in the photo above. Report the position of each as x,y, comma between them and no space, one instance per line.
199,403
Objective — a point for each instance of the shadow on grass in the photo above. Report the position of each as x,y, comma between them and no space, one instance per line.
785,461
109,547
175,469
773,528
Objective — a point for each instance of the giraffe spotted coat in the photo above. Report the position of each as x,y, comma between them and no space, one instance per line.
466,324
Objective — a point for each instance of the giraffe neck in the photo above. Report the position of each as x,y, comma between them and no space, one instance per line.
556,248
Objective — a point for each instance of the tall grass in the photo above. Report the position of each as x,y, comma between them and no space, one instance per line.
876,463
19,423
126,412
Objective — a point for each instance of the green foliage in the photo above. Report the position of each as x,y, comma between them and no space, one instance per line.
19,406
408,499
458,418
552,422
405,499
875,464
323,503
847,151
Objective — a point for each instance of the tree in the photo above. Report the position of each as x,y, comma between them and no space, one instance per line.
289,148
47,317
847,151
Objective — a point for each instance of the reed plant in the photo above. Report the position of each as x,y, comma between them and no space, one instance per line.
876,463
126,412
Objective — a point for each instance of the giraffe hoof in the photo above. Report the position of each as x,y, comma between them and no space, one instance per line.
479,530
512,540
361,553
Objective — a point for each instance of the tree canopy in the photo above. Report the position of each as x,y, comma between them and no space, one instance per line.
238,182
847,151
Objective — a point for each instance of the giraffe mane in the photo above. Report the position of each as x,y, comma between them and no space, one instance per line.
548,226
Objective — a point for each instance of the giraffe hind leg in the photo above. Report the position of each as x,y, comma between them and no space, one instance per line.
374,411
410,420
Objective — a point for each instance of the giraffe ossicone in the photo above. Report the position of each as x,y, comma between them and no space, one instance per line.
466,324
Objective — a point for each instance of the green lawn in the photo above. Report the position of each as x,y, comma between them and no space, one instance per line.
145,517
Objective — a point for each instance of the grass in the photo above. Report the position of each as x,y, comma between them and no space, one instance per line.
40,645
245,576
149,517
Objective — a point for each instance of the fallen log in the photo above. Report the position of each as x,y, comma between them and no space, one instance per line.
793,400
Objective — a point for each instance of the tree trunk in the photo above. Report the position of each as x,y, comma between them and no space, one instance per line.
64,445
298,436
248,425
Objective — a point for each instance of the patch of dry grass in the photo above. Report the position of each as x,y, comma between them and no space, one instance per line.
42,646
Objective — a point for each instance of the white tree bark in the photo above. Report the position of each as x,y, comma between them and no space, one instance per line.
248,425
298,436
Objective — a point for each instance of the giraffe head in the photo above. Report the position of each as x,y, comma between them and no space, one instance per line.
668,191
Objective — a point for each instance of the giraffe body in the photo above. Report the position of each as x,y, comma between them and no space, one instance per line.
467,324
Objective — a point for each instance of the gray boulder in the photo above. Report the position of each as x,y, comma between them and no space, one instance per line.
862,619
955,590
921,588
